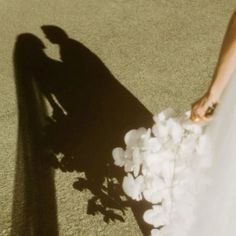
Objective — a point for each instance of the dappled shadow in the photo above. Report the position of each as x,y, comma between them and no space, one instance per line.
91,111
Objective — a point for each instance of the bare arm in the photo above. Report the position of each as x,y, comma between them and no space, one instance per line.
227,60
225,66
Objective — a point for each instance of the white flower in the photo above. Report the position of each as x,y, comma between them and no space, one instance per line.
155,130
154,181
152,144
161,131
192,126
156,216
132,137
162,116
129,166
118,156
153,195
164,165
166,155
152,162
156,195
146,135
168,172
137,160
128,153
133,187
155,189
176,130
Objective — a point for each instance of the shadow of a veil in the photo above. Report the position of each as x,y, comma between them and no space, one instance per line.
34,206
91,113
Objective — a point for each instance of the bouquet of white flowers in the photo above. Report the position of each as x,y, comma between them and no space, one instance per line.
162,165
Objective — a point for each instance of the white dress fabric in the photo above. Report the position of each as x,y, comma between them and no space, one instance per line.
186,169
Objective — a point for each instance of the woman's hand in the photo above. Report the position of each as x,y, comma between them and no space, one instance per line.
203,108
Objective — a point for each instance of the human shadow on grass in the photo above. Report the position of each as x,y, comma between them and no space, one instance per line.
34,205
91,112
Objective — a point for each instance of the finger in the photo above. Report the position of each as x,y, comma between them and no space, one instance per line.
199,112
194,117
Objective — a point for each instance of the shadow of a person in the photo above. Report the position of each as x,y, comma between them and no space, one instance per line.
87,76
34,206
101,110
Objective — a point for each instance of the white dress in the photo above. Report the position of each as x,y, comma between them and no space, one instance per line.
187,170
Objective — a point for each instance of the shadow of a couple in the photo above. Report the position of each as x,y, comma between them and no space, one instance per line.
91,113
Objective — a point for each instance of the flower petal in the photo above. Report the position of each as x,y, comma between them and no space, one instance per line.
133,187
118,156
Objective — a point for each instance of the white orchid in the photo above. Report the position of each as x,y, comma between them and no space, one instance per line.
168,172
161,164
156,216
133,187
118,156
164,115
192,126
161,131
137,161
156,195
151,144
176,130
133,136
